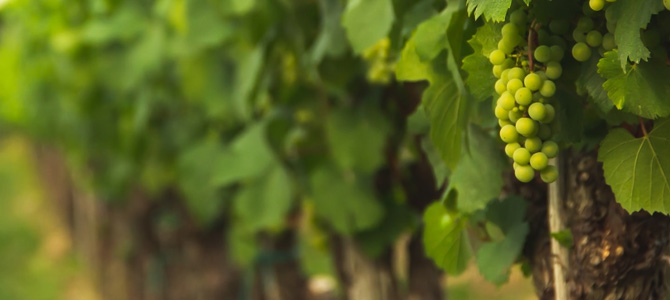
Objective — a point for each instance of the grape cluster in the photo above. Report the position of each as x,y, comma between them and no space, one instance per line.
588,38
379,61
524,108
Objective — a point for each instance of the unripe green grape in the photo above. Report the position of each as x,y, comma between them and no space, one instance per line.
500,86
502,123
526,127
537,112
559,26
522,108
608,41
523,96
509,29
554,70
508,134
508,63
524,174
501,113
517,73
518,17
542,54
544,132
533,81
581,52
507,49
510,148
549,174
533,144
521,156
514,116
556,40
542,74
539,161
497,71
550,113
548,88
666,3
579,36
550,149
597,5
511,40
515,165
506,101
513,85
585,24
611,25
497,57
556,53
504,77
594,38
543,36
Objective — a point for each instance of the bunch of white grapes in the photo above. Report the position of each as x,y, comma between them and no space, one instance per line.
524,108
588,38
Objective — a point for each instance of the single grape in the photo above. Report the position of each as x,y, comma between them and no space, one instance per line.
517,73
594,38
542,74
666,3
504,76
497,57
521,156
508,134
515,165
542,54
508,63
581,51
537,112
524,173
550,113
514,116
611,25
502,123
500,86
526,127
559,26
533,144
518,17
497,71
554,70
522,108
543,36
579,36
608,41
556,40
533,81
585,24
523,96
550,149
556,53
511,40
501,113
549,174
509,29
597,5
510,148
505,48
539,161
506,101
513,85
544,133
548,88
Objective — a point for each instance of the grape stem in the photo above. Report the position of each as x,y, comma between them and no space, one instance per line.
644,129
532,35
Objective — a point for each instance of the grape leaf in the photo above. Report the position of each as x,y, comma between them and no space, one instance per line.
638,169
641,89
486,37
630,16
367,21
495,258
262,203
445,240
569,124
346,201
590,80
507,213
431,36
482,161
248,157
409,66
493,10
332,39
480,80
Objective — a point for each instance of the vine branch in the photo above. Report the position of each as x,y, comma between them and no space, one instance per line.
532,35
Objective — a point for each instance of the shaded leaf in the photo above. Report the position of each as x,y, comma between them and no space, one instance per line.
367,21
445,240
264,202
630,16
494,259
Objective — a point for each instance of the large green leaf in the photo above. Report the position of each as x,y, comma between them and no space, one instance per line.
263,202
332,40
631,16
248,157
346,201
494,259
638,169
445,240
590,80
431,36
482,161
493,10
480,79
367,21
641,89
410,67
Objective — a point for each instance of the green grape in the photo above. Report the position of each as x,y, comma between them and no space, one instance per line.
537,112
581,51
502,123
497,71
579,36
508,63
521,156
497,57
509,29
554,70
511,40
550,113
559,26
549,174
544,133
501,113
585,24
510,148
523,96
542,74
594,38
522,108
539,161
543,36
556,53
533,81
526,127
517,73
550,149
611,26
514,116
504,76
608,41
542,54
524,173
500,86
666,3
508,134
548,88
533,144
506,101
556,40
505,48
518,17
513,85
515,165
597,5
